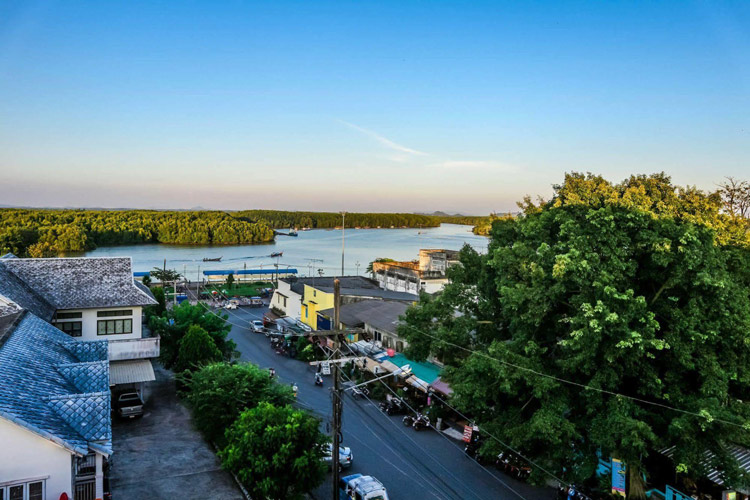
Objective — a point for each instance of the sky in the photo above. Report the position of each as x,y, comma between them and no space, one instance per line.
364,106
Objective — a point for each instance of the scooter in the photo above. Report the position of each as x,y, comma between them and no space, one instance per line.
318,380
418,423
361,392
392,407
271,372
295,389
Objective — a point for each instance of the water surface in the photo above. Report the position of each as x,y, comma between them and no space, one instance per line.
362,246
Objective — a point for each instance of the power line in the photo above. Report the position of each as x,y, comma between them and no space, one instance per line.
577,384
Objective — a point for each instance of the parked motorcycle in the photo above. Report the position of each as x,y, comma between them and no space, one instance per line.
361,392
513,466
418,423
393,407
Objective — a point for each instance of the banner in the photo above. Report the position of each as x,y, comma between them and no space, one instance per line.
618,477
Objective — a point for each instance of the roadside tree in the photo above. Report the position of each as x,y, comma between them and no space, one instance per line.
197,348
276,452
219,392
639,288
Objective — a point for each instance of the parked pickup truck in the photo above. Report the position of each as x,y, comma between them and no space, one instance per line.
128,404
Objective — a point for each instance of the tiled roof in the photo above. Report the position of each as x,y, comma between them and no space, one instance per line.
42,384
73,283
16,290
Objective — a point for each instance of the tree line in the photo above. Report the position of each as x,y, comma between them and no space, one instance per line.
327,220
49,233
589,304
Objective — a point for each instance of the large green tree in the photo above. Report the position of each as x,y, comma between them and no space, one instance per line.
219,392
173,324
197,348
275,451
639,288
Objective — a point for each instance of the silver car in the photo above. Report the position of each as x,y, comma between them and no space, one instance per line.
256,326
345,456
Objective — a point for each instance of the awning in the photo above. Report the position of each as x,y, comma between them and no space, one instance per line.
130,372
439,386
417,382
388,366
739,453
371,366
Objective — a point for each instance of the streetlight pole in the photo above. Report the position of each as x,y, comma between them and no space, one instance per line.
343,239
337,406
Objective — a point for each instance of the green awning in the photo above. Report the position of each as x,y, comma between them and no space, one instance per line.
423,370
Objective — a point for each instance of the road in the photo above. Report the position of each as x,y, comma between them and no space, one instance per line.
411,464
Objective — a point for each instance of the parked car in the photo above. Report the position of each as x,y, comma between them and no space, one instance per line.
345,456
359,487
256,326
256,302
128,404
232,304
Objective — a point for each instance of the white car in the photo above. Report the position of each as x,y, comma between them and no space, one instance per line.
256,326
230,305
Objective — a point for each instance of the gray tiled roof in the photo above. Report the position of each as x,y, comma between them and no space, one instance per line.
74,283
16,290
42,383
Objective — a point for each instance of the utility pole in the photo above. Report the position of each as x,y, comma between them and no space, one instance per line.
198,289
343,238
337,406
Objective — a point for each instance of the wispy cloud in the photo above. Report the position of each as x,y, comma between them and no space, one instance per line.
385,141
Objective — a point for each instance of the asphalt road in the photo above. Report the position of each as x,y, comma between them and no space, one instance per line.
411,464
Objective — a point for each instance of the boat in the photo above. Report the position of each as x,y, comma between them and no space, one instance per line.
292,232
277,254
214,259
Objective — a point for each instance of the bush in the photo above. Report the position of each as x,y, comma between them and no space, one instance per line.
197,348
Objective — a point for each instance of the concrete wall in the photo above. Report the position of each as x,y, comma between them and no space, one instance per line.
293,300
89,319
27,456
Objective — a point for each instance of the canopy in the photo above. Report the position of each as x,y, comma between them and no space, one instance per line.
130,372
439,386
424,370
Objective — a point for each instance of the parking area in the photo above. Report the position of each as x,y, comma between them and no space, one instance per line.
161,455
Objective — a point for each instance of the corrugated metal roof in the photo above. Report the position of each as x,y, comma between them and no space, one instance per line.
739,453
131,371
250,272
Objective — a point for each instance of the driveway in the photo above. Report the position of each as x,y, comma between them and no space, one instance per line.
162,456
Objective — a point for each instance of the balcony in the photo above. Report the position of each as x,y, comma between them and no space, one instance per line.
143,348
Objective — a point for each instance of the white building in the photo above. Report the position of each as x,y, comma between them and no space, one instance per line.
55,424
90,299
427,274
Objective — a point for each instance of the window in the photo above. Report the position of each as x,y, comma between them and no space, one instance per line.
69,315
376,335
315,293
114,326
120,312
285,302
23,491
72,328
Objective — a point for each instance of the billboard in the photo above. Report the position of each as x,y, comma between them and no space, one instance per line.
618,477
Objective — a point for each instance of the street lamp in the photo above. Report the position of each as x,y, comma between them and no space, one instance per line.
343,239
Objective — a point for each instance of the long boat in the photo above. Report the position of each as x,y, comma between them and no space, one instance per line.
214,259
277,254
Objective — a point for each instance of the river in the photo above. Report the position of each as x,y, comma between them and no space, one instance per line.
362,247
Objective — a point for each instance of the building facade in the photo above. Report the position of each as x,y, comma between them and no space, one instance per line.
426,274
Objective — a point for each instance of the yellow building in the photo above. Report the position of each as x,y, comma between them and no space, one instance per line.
314,300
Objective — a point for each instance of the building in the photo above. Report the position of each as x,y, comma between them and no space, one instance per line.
248,275
427,274
89,299
378,318
312,295
55,424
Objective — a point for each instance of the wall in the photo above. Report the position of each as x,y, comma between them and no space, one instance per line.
293,301
25,455
90,318
313,301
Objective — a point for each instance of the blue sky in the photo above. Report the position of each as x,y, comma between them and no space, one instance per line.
390,106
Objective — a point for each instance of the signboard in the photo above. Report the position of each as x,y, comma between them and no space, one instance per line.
618,477
467,433
325,368
728,495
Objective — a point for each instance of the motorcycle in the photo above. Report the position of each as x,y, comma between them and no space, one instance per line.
362,392
318,380
419,422
271,373
295,389
392,407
